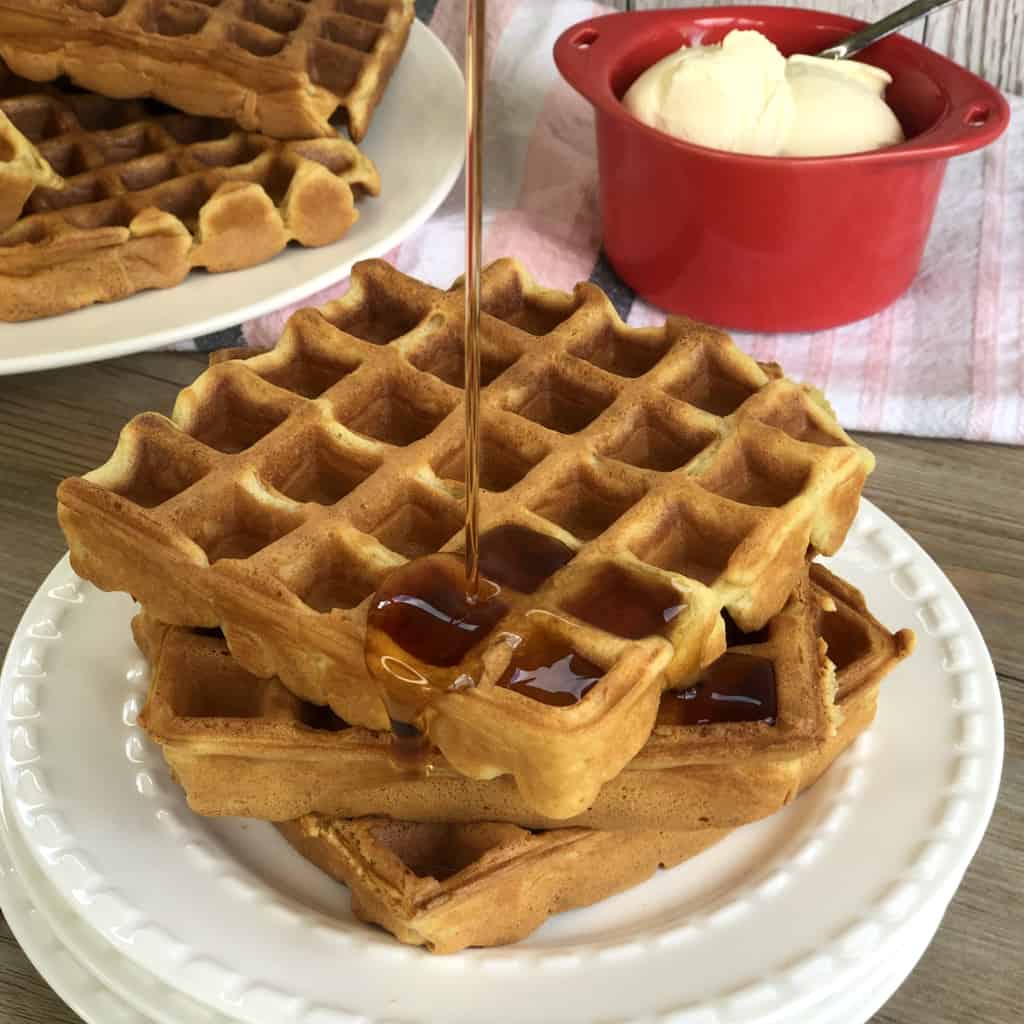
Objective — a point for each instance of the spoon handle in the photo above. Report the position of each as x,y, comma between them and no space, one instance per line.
886,26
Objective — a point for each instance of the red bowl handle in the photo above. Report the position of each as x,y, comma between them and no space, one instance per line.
978,114
582,52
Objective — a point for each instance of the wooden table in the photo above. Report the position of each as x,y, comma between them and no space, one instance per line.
961,501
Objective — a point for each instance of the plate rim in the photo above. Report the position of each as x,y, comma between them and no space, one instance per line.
19,897
24,893
43,950
440,56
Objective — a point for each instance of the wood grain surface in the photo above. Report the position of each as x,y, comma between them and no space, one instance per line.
986,36
961,501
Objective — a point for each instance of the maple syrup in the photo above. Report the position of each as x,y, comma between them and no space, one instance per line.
735,688
410,750
520,558
430,614
619,602
550,671
425,609
422,623
475,38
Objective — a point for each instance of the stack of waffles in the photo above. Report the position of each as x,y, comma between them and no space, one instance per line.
652,503
148,175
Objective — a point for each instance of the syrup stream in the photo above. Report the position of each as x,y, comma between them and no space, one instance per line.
425,609
421,607
475,35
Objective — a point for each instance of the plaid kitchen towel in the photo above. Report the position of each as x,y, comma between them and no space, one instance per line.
946,360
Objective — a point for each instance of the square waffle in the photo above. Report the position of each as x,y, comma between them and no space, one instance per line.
675,474
437,885
245,746
23,169
278,67
150,194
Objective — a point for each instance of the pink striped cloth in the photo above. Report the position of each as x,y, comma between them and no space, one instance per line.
946,360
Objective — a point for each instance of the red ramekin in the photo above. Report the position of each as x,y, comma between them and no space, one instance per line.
770,243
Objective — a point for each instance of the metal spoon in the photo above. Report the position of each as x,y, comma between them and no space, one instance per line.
869,34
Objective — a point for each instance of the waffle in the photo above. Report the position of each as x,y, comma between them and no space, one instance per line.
244,746
438,885
150,195
677,475
22,170
279,67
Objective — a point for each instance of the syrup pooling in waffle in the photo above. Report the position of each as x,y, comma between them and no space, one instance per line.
338,457
424,616
426,636
738,687
735,688
243,745
150,194
279,67
423,623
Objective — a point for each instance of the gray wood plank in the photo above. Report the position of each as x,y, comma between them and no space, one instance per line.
25,997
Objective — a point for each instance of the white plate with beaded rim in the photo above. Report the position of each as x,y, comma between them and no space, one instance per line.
211,906
421,115
104,987
91,976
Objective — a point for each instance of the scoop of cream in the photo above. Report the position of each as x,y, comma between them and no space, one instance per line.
742,95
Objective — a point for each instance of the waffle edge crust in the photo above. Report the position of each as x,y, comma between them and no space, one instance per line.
438,885
277,67
147,197
286,486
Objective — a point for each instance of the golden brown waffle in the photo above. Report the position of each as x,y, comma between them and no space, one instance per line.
245,746
23,169
279,67
447,887
671,468
150,195
438,884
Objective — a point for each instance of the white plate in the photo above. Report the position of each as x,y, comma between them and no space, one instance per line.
416,140
210,905
863,1002
89,974
80,965
66,975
